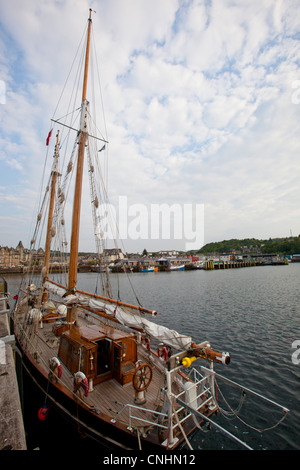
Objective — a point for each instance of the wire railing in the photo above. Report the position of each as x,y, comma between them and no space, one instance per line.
201,395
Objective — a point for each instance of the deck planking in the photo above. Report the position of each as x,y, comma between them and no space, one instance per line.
108,397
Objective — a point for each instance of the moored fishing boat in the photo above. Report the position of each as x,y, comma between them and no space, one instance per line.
147,269
102,362
175,267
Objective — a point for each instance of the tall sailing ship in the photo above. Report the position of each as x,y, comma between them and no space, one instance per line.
103,363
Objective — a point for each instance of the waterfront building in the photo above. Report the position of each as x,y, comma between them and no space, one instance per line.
13,257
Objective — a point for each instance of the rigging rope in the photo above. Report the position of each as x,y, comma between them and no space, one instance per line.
64,87
235,414
59,242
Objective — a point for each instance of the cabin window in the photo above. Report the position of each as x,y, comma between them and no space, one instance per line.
124,351
117,354
82,360
64,344
75,353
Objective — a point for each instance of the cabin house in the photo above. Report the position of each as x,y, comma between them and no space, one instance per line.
100,352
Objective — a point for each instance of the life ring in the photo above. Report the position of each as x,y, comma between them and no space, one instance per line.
165,353
146,341
80,380
55,368
162,351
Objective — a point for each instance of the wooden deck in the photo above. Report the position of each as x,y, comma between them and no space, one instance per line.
109,398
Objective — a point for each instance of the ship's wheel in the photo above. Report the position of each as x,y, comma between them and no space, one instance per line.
142,377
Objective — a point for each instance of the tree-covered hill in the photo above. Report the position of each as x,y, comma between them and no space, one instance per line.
286,246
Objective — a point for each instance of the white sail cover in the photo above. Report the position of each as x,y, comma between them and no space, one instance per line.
126,316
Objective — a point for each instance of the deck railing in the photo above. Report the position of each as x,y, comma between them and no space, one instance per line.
202,384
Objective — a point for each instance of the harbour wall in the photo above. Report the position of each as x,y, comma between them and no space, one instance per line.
12,433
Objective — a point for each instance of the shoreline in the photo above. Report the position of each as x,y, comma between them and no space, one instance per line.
208,265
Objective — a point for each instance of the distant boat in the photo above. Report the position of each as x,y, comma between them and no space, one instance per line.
147,269
166,265
174,267
198,265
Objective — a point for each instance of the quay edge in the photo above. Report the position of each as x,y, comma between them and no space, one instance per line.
12,432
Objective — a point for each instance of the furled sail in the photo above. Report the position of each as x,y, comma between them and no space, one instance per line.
125,315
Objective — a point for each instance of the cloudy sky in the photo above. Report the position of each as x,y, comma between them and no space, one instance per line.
202,108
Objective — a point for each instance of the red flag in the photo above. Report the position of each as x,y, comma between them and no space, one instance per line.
48,138
15,297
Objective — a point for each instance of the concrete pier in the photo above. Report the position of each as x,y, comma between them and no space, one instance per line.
12,433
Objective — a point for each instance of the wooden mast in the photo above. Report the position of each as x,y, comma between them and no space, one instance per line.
50,217
79,175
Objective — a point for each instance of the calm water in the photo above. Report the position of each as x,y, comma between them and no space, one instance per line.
254,314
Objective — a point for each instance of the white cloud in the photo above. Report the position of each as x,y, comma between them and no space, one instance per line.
197,97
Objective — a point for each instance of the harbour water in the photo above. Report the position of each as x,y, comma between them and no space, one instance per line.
254,314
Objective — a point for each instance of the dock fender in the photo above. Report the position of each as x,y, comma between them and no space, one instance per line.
43,413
